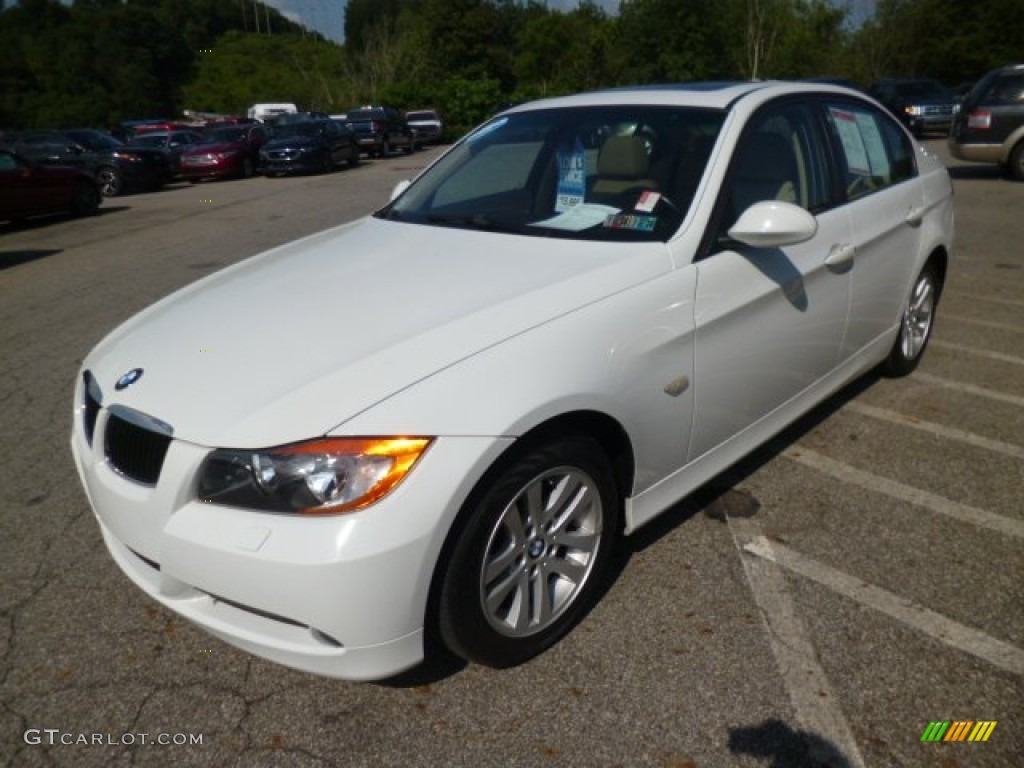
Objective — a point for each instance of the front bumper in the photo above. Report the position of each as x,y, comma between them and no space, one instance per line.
343,596
305,162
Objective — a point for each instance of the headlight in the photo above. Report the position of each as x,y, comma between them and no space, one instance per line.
129,156
307,149
915,111
327,476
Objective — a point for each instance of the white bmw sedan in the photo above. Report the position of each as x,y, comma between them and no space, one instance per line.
435,421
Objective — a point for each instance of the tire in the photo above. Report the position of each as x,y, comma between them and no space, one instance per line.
385,149
547,518
110,180
326,162
353,159
1016,165
916,323
247,169
85,199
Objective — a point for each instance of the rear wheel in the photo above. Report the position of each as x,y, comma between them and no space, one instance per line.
110,181
530,554
1016,164
916,323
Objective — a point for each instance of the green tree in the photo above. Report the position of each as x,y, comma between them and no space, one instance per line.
245,68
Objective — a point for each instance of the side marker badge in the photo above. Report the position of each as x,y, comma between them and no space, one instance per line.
676,387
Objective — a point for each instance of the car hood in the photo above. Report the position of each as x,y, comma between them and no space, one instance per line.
291,142
292,343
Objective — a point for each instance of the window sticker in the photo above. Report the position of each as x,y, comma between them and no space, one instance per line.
579,217
873,145
648,201
572,176
853,142
631,221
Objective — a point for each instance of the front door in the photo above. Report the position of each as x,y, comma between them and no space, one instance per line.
769,321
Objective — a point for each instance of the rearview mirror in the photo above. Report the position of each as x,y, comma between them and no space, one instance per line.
400,187
773,223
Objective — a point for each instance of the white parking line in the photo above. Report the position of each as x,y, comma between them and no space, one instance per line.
816,706
970,389
978,352
984,323
930,501
949,433
935,625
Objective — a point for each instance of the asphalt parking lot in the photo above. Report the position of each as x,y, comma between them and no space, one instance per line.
848,585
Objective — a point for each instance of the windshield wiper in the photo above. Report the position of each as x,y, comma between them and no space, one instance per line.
476,221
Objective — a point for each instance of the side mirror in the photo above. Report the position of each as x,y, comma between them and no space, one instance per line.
774,223
400,187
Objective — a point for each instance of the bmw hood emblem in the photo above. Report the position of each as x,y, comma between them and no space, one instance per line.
128,379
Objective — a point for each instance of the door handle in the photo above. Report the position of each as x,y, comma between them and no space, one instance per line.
840,256
915,216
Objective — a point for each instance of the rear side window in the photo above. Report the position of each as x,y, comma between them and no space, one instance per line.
1006,91
873,152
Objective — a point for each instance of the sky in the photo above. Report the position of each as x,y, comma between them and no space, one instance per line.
328,16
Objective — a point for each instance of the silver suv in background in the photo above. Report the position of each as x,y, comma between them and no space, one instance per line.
990,125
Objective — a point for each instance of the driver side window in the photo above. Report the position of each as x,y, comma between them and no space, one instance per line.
781,156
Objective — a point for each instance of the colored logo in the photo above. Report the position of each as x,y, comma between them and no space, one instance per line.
128,379
958,730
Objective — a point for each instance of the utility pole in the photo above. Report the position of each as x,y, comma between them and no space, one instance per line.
256,15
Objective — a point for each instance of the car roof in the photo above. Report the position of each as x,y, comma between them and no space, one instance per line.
713,95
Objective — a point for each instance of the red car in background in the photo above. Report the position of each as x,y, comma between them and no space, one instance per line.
225,152
28,189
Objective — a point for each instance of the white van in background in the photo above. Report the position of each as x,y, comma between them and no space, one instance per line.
263,111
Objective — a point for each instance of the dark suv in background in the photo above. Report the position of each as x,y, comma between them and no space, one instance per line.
923,105
380,130
990,125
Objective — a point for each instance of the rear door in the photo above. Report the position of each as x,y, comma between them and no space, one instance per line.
875,161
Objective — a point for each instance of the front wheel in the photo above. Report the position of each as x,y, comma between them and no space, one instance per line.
85,199
530,554
916,324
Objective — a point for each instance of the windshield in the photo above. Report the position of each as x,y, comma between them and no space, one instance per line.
229,135
593,173
364,114
925,89
297,129
94,140
150,140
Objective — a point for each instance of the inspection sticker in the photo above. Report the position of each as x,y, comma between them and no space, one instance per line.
631,221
